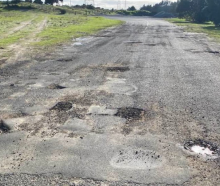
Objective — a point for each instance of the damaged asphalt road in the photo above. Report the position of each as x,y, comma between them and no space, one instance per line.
129,106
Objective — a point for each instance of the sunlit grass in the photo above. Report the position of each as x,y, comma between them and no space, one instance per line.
208,28
59,28
63,28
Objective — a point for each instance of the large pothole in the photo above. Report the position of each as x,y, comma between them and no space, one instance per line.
62,106
202,148
136,159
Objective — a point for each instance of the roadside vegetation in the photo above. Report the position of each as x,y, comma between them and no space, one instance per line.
208,28
201,16
26,27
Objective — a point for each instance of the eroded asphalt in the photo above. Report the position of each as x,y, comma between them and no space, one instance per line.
113,109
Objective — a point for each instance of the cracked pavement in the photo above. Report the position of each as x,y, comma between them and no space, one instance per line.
114,108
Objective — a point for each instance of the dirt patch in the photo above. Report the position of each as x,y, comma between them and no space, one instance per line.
4,128
117,69
130,113
62,106
126,130
9,115
55,86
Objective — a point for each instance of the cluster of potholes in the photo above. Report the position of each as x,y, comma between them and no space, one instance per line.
196,147
129,113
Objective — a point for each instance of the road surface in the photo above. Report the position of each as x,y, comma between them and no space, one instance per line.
122,107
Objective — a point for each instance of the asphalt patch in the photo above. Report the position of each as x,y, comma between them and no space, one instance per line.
136,159
130,113
4,128
55,86
117,69
62,106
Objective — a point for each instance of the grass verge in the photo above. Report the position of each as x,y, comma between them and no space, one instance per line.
208,28
40,28
62,28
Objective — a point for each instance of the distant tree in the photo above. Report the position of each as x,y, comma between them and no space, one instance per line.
184,8
50,2
28,1
16,1
193,9
38,2
91,7
132,8
147,8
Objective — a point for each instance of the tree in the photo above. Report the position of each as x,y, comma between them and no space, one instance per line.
184,8
132,8
51,2
38,2
193,9
213,11
147,8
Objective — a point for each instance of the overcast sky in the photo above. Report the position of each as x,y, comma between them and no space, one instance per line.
113,3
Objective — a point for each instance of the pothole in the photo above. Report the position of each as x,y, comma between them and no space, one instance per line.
119,69
213,52
55,86
137,159
4,128
151,44
103,36
130,113
62,106
133,42
202,148
65,59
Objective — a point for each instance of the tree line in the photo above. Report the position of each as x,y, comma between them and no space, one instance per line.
198,11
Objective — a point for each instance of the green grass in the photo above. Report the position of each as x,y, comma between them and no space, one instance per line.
208,28
8,39
63,28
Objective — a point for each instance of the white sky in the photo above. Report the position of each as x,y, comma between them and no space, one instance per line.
113,3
